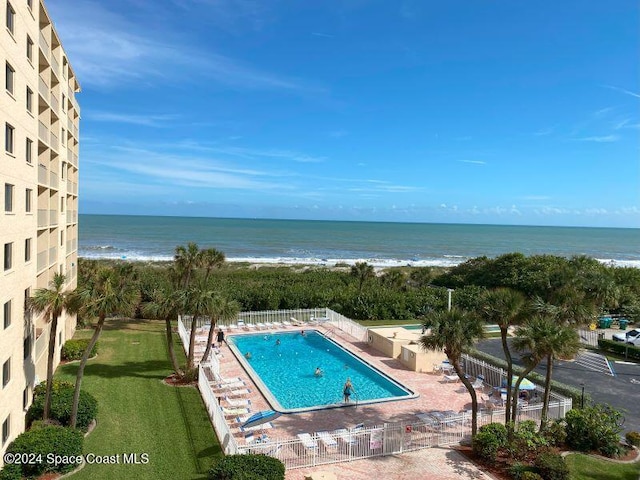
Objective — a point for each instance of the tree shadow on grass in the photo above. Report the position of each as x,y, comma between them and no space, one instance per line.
146,369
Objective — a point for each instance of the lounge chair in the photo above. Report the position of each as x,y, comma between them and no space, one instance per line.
260,326
286,323
451,378
327,440
264,426
234,412
277,324
226,386
308,441
344,435
243,325
478,383
238,402
238,392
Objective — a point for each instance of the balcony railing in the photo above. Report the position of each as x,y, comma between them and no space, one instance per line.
53,217
69,186
42,260
53,179
53,255
44,45
69,219
69,124
42,174
43,89
43,219
74,102
42,342
54,141
43,132
55,105
55,66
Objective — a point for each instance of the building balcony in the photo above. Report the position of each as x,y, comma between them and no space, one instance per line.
55,105
43,132
42,341
43,219
42,261
53,142
53,255
43,89
53,180
44,46
43,174
55,66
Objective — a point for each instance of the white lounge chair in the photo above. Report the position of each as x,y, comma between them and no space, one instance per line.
451,378
327,439
226,386
478,383
346,436
308,441
286,323
277,324
234,412
264,426
236,392
238,402
260,326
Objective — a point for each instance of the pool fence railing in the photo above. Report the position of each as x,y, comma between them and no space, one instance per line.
348,444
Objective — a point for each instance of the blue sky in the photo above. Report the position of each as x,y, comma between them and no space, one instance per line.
459,111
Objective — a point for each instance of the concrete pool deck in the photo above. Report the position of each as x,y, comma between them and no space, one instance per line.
434,394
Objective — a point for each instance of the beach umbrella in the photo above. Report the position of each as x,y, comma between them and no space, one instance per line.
260,417
526,384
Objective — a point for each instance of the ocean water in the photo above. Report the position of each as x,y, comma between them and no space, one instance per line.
329,242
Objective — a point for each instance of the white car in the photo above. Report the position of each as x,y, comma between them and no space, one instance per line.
632,337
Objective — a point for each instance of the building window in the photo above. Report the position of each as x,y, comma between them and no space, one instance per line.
26,347
5,429
29,99
30,4
11,17
8,138
25,395
27,250
29,150
9,76
6,373
29,48
64,168
8,197
6,314
8,256
27,202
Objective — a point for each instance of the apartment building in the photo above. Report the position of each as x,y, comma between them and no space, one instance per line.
39,119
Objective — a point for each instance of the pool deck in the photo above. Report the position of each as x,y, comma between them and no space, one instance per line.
434,394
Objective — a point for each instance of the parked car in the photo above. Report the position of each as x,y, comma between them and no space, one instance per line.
632,337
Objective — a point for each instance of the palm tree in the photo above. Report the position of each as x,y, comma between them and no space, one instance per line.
362,271
223,309
164,304
108,293
455,331
504,306
543,337
195,302
210,259
186,260
53,302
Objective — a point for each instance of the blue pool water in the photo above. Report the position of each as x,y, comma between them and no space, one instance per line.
287,371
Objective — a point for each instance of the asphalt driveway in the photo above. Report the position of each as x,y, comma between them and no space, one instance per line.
620,391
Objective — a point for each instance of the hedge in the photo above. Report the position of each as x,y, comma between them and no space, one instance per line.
74,349
247,467
42,444
61,404
620,348
573,393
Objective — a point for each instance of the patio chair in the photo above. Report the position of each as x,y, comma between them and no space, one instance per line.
264,426
344,435
277,324
327,440
234,412
260,326
227,386
451,378
308,441
287,323
237,402
238,392
478,383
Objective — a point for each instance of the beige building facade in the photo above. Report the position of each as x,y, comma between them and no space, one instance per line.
39,120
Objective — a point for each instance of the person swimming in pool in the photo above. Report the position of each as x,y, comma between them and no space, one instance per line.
302,333
347,390
248,355
318,372
278,341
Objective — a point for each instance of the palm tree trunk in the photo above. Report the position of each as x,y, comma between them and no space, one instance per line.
192,342
207,350
51,354
514,406
172,352
510,392
547,392
472,392
80,374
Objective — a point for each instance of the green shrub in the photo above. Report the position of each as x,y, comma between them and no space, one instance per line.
619,348
529,475
594,428
74,349
517,470
61,404
633,438
525,440
551,466
43,442
57,385
555,433
11,471
247,467
498,430
486,446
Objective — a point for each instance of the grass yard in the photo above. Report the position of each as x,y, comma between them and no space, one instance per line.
138,413
583,467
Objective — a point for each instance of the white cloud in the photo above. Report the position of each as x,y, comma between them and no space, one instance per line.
622,90
600,139
144,120
474,162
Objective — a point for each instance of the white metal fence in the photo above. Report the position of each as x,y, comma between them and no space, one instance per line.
227,440
588,337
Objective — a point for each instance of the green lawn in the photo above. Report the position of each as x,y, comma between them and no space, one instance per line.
583,467
138,413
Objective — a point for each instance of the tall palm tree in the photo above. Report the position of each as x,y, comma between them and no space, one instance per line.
543,337
362,271
109,293
164,304
211,258
455,331
186,261
53,302
504,307
223,310
195,302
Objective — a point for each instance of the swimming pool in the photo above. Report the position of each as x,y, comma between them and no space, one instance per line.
284,371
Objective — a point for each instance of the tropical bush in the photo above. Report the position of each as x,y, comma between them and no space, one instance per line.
247,467
555,433
525,440
633,438
61,403
551,466
489,440
73,349
529,475
594,428
42,442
